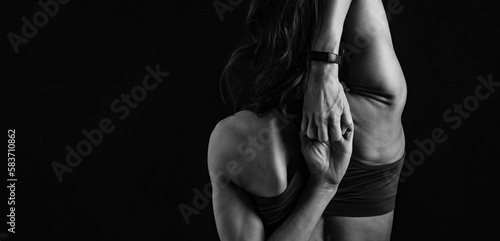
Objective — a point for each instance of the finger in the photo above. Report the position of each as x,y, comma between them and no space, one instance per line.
311,129
304,123
349,133
336,132
303,141
346,120
331,131
323,130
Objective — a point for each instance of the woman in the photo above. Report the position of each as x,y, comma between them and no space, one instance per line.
340,186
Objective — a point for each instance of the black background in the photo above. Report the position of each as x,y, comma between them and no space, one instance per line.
130,186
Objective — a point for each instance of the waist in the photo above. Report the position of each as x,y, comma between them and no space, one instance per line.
366,190
372,228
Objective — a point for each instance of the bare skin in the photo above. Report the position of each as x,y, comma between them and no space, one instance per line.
254,154
325,104
376,95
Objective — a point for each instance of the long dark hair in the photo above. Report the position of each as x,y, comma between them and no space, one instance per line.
269,69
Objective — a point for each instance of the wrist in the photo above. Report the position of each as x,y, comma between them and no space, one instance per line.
324,71
326,43
323,185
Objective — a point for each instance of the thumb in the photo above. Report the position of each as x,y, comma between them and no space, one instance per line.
349,133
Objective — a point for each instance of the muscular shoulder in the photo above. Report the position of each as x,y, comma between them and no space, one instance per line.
251,151
227,133
224,148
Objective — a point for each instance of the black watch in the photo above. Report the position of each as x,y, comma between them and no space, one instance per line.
325,57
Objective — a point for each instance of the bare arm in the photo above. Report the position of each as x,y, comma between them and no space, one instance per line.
325,103
330,25
235,215
237,219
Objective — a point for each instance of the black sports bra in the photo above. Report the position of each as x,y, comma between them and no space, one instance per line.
274,210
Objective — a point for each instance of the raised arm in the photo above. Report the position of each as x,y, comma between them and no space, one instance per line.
235,215
325,103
